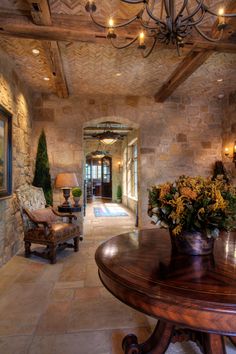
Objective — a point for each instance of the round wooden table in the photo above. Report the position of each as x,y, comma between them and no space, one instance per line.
197,293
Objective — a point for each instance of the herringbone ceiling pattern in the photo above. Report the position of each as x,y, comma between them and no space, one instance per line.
98,68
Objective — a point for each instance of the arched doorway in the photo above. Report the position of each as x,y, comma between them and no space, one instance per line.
98,177
113,177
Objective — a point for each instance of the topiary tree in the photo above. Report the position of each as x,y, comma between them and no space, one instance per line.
42,176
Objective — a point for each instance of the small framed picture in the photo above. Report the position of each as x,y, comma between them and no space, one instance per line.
5,153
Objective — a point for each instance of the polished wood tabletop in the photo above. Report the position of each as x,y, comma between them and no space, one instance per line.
198,292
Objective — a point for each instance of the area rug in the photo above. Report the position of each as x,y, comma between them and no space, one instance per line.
109,209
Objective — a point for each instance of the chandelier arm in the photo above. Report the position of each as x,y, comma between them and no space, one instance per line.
185,3
145,55
200,6
207,37
167,9
207,9
115,26
154,18
148,27
196,22
125,45
133,1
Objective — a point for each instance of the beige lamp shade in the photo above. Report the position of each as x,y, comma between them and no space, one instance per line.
66,180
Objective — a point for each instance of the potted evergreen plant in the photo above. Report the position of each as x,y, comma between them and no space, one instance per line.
76,193
119,194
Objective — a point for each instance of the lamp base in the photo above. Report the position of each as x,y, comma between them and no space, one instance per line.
66,195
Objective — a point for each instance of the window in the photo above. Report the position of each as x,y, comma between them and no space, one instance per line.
131,172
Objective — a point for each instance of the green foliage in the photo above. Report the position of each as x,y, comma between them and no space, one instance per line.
119,192
76,192
42,176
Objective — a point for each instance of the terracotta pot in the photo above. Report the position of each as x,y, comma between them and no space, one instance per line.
76,200
193,243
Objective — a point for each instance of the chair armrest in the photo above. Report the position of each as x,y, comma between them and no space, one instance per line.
36,221
64,215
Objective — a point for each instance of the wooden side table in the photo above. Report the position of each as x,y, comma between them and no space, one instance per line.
196,293
69,210
72,209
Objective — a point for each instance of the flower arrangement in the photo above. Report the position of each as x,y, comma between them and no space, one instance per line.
193,204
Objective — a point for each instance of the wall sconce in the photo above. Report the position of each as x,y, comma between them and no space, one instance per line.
119,166
233,156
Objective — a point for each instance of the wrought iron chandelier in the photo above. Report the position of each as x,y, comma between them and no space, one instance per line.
163,21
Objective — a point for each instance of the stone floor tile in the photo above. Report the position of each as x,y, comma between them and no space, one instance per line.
15,344
69,284
103,313
61,295
84,343
54,319
42,345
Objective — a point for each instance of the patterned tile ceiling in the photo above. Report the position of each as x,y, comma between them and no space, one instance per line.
98,68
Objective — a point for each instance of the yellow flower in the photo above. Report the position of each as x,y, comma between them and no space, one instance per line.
188,192
165,189
177,230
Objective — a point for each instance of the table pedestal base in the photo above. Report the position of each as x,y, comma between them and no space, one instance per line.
165,333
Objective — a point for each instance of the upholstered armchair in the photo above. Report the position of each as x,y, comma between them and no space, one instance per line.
45,226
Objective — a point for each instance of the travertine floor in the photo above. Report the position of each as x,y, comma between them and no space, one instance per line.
63,308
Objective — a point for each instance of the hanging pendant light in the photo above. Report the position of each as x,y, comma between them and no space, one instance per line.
107,137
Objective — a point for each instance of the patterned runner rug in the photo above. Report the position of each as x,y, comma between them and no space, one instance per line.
109,209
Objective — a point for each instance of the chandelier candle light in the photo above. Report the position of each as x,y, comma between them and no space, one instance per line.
172,25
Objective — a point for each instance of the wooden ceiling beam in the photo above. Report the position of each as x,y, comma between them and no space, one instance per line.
41,16
64,28
199,54
193,60
40,12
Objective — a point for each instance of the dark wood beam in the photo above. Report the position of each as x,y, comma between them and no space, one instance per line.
40,12
41,16
63,28
199,54
193,60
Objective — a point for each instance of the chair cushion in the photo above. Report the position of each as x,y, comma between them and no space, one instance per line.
44,214
57,232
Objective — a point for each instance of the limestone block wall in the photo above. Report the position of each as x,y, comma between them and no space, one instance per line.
229,132
179,136
16,99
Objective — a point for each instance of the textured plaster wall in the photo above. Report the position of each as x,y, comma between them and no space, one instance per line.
180,136
16,99
229,132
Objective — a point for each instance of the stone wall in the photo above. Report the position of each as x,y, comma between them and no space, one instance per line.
16,99
180,136
229,133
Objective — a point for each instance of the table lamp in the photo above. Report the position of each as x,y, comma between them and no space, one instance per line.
66,181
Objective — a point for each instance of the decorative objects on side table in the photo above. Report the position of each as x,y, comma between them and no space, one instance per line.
76,193
195,209
42,177
66,181
5,153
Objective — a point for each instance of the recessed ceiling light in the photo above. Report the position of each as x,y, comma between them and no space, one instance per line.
35,51
221,95
118,74
219,80
46,78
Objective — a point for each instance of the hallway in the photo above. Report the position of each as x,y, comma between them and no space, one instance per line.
63,308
